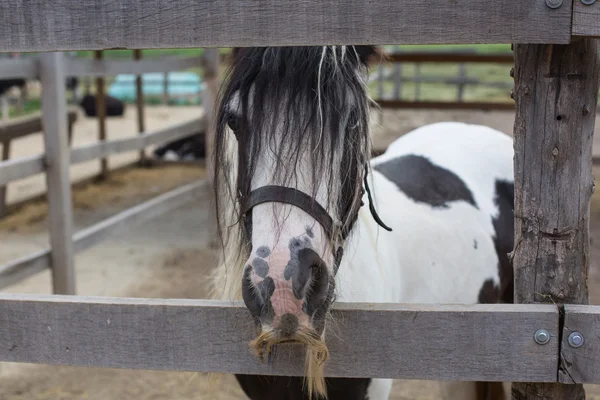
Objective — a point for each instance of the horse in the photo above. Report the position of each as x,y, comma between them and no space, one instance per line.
292,174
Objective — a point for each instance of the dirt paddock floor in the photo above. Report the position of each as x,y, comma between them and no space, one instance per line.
169,257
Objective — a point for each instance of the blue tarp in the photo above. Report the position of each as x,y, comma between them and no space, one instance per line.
180,83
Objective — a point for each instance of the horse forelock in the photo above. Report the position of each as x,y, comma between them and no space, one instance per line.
317,99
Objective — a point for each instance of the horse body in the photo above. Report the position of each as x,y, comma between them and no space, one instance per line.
445,190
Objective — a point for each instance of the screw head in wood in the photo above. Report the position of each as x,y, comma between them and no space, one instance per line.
554,3
541,336
588,2
576,339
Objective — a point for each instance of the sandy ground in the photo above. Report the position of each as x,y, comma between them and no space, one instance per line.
167,257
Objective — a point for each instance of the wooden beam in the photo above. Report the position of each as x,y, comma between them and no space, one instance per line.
458,342
38,25
556,89
26,68
24,267
581,364
586,19
444,105
60,210
104,149
88,67
450,57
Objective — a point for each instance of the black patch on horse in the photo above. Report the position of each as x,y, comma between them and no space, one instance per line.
264,387
504,226
425,182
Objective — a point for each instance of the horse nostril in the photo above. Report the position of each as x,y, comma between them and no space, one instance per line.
311,281
250,294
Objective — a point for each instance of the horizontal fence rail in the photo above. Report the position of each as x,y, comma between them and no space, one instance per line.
24,267
64,25
13,170
84,67
446,342
26,68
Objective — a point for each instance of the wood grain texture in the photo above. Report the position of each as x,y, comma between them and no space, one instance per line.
556,88
24,267
58,182
586,19
83,67
480,342
104,149
38,25
581,364
19,68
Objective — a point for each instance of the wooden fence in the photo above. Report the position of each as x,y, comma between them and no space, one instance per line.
556,87
397,59
52,69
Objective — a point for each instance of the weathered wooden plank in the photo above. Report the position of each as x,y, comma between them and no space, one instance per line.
84,67
28,124
556,88
19,68
580,364
480,342
13,170
104,149
24,267
586,19
60,210
38,25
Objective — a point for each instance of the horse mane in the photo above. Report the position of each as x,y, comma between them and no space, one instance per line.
317,96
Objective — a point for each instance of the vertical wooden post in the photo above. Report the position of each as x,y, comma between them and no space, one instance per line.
397,77
54,120
556,89
139,102
3,189
101,115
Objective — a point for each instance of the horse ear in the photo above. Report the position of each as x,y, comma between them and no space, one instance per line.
369,55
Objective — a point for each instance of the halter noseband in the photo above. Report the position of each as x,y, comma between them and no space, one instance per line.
282,194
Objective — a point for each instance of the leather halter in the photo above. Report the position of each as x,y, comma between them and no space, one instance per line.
282,194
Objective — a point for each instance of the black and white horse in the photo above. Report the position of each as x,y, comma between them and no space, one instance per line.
292,173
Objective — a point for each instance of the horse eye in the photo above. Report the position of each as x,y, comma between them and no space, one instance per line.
233,122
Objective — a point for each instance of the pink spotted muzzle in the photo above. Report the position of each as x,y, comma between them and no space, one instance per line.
288,289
